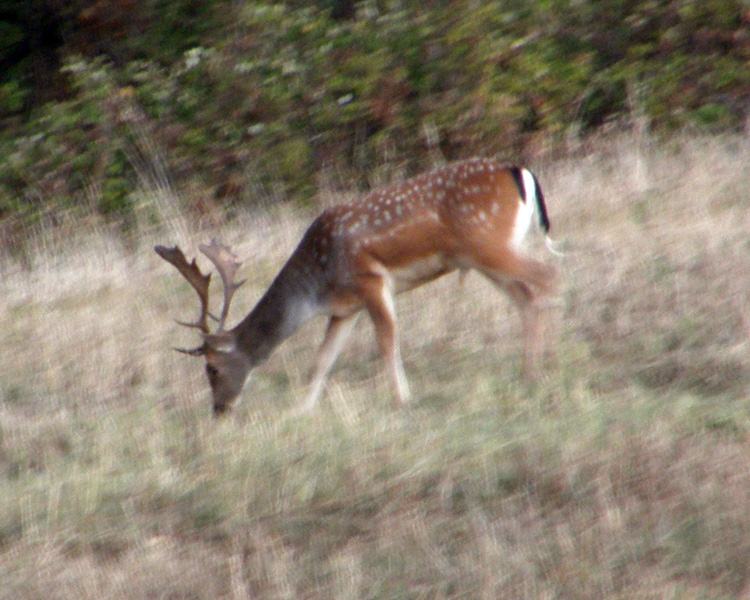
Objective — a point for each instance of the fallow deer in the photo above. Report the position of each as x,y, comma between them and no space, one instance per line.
473,214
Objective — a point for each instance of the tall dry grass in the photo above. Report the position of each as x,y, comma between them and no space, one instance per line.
623,474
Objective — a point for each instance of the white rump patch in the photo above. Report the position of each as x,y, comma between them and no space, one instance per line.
526,210
529,187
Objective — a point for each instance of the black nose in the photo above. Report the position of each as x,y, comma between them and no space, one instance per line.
220,409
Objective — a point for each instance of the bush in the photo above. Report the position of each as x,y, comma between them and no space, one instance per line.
287,90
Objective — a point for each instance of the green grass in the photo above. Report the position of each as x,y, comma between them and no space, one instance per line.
622,474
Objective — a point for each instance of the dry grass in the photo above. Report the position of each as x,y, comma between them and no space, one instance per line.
624,474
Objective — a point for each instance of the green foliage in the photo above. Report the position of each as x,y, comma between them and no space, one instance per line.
288,90
76,146
12,96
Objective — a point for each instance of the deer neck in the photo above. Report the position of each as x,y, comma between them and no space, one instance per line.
290,302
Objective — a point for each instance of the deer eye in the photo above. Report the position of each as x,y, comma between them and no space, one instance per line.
212,372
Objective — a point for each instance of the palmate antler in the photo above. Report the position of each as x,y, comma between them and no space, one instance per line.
226,264
198,280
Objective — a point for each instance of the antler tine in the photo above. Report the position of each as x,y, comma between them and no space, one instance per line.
226,264
199,351
195,278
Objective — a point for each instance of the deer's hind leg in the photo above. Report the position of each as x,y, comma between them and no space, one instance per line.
526,281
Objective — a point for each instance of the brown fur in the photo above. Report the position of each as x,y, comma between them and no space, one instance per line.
357,255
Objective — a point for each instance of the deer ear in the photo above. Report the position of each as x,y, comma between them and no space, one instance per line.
224,342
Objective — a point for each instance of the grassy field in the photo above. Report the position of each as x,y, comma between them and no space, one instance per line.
625,473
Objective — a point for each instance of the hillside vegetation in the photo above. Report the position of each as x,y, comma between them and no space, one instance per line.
235,102
622,474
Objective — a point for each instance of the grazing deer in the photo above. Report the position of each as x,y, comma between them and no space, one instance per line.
468,215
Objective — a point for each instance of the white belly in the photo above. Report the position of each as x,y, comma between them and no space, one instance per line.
419,272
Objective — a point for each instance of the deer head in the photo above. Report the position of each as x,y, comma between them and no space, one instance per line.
226,365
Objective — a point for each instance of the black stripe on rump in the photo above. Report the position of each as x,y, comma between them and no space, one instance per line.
544,223
518,178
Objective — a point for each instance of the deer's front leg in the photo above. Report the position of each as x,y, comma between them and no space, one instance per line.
336,335
380,305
